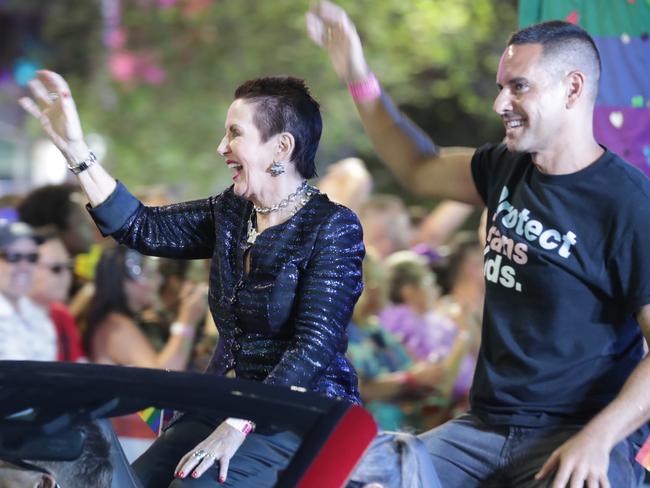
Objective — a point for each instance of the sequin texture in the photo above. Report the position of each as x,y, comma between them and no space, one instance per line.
285,323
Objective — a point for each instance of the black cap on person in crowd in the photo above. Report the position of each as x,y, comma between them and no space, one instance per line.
10,231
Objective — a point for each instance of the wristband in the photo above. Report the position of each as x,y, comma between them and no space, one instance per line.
77,168
179,328
242,425
365,90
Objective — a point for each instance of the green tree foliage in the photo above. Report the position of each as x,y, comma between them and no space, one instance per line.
436,57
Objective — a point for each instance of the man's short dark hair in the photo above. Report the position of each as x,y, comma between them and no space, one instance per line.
92,468
567,46
284,104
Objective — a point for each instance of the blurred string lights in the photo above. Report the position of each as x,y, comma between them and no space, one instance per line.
24,69
21,47
24,50
29,45
132,67
126,66
24,162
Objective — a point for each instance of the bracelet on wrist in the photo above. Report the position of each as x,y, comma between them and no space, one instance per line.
80,166
365,90
242,425
181,329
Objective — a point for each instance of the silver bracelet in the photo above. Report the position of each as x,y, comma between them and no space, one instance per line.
77,168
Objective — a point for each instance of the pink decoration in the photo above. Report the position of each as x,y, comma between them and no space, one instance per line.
127,67
573,17
112,16
116,39
153,74
192,8
123,66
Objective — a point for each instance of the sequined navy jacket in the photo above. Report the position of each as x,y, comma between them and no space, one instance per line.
285,323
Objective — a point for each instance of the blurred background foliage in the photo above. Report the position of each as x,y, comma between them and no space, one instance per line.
157,79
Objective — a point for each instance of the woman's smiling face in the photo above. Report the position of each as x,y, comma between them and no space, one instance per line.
245,152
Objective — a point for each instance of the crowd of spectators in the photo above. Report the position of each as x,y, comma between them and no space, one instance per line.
415,332
68,294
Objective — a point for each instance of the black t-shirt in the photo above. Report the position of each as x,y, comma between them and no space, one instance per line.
567,267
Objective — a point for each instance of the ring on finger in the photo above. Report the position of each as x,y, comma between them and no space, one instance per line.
200,454
53,96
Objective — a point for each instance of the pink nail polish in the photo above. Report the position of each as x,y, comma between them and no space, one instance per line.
181,474
222,479
195,474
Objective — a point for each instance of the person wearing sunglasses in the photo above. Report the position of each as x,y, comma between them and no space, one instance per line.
26,331
53,275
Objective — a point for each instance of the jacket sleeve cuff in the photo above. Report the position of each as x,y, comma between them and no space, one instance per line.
111,215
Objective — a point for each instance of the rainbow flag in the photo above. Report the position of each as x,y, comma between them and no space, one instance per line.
620,31
643,456
154,418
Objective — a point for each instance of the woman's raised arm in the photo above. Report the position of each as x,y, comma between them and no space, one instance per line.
52,104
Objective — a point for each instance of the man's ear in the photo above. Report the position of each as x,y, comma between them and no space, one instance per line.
575,87
46,481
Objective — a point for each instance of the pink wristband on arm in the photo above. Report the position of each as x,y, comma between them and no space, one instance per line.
365,90
242,425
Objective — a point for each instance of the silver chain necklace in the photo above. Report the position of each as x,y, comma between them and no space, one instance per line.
302,188
304,191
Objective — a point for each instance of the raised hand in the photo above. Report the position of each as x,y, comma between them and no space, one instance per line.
53,106
329,26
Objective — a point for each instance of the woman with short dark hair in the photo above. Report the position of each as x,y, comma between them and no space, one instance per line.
285,271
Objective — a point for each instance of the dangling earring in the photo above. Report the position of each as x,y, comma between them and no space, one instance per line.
276,168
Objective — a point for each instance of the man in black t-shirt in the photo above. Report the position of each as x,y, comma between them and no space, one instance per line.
560,392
